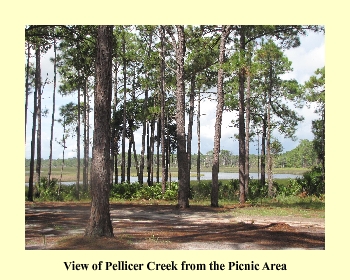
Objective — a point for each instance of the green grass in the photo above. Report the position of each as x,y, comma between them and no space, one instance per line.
307,207
280,211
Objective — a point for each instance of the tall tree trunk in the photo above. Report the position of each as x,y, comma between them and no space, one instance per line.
269,155
124,114
38,139
135,154
263,149
167,151
219,110
53,109
32,145
180,49
190,125
64,148
100,223
158,147
27,91
247,127
115,137
86,140
77,182
128,165
143,145
151,155
241,128
148,156
162,106
199,138
145,125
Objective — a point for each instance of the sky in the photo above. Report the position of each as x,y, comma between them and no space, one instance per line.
309,56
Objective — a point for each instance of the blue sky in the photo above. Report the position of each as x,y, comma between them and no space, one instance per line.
305,60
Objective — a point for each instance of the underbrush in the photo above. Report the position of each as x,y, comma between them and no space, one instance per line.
287,191
55,192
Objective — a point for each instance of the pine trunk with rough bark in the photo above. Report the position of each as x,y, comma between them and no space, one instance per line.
190,125
241,124
114,148
183,192
100,222
151,155
199,138
53,110
218,121
148,155
38,138
269,155
263,149
158,146
32,144
27,91
86,139
247,127
143,146
124,113
162,106
77,181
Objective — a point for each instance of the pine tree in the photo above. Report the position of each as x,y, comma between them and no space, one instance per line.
100,222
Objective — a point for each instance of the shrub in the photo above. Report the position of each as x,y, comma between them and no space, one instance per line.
124,190
136,191
291,189
228,190
171,192
45,192
312,182
201,191
256,190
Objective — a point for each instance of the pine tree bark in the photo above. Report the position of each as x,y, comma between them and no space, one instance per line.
263,147
199,138
180,49
247,127
148,155
143,145
269,155
115,137
190,125
86,139
53,109
77,182
162,105
219,110
128,163
27,91
124,114
158,146
100,223
151,153
241,123
38,136
32,144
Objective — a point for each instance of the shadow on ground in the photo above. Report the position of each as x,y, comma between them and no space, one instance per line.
163,227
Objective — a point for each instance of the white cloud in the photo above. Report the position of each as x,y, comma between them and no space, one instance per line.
306,58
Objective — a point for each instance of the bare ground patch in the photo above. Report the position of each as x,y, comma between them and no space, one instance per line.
163,227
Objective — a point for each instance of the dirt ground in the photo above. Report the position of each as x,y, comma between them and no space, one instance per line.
60,226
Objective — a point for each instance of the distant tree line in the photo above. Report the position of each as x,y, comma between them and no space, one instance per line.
303,156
